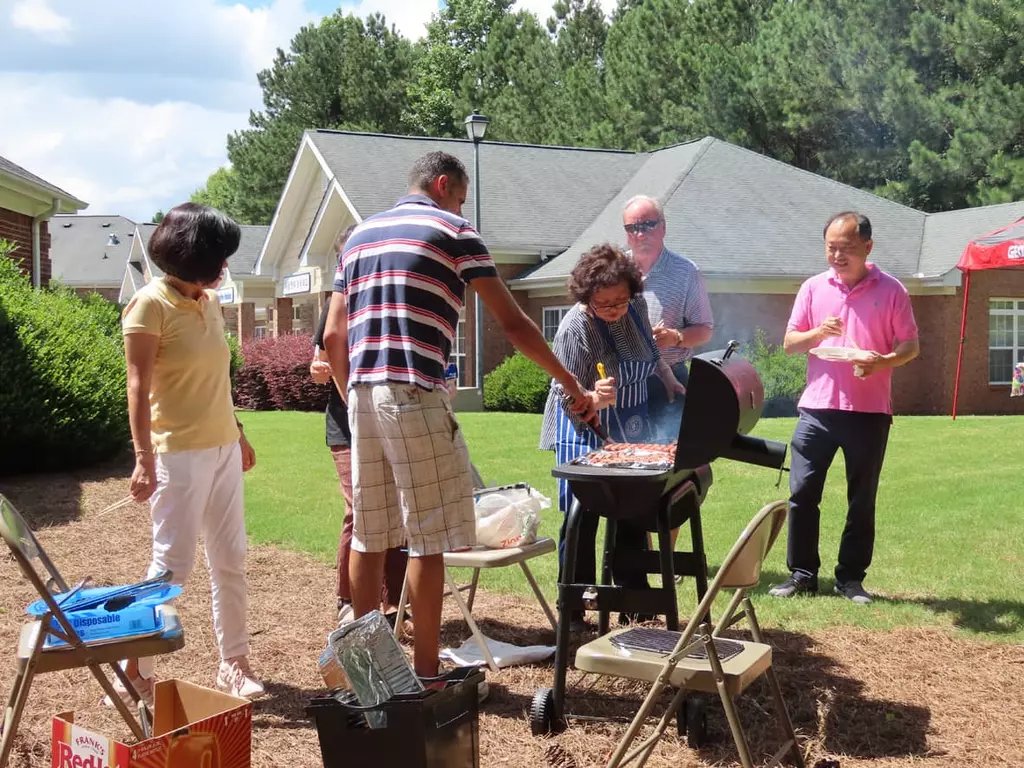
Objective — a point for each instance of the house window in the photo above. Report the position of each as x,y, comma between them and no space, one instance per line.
552,317
1005,338
458,355
296,312
259,332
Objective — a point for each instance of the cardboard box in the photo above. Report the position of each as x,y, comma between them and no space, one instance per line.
193,727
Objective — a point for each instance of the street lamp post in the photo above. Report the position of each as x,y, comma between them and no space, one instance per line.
476,127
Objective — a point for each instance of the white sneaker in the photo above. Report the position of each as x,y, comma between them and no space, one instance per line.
235,677
144,686
346,613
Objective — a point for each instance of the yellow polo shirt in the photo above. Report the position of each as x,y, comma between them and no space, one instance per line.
190,391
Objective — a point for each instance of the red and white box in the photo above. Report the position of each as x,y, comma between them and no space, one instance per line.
193,727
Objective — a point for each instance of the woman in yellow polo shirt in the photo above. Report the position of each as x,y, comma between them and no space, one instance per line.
190,450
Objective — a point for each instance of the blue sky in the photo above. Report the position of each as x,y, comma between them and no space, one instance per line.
127,104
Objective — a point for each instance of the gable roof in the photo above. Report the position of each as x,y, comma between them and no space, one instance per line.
737,213
947,234
533,197
13,170
243,261
81,250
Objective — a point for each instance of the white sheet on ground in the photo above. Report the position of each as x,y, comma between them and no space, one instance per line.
505,654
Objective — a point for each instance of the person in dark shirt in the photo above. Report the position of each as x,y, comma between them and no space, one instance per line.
339,440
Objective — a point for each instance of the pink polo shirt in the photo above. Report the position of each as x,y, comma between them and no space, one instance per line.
876,315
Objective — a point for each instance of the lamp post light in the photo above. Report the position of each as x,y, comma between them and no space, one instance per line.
476,127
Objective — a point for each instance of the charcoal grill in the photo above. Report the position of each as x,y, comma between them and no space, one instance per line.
724,401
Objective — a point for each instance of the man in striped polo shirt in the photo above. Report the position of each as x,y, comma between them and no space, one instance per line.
402,283
677,302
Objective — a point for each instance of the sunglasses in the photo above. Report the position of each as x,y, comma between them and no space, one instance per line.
641,227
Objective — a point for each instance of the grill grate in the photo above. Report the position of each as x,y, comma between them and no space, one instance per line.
663,642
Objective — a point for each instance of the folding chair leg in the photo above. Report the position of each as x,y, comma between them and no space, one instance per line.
108,688
470,621
402,602
540,595
16,701
773,683
472,588
728,704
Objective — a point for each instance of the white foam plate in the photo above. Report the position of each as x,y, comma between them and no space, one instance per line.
841,354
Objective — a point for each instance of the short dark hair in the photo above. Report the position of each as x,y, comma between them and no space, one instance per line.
434,164
342,238
863,224
192,242
602,267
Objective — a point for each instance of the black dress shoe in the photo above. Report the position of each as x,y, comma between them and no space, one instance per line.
796,584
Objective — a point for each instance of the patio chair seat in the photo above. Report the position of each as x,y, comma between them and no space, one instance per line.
602,657
62,657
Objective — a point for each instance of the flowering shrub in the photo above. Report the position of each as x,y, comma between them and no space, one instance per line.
275,376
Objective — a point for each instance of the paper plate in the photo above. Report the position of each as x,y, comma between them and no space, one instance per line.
841,354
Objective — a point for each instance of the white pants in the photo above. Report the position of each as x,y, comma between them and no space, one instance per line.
200,492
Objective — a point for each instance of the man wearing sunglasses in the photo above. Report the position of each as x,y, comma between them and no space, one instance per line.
677,302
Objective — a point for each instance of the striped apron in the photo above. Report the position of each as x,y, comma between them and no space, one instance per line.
628,423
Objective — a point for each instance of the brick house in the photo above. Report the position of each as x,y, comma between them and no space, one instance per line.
89,252
244,296
752,224
27,203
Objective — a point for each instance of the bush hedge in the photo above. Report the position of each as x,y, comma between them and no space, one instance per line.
275,376
784,376
518,385
62,376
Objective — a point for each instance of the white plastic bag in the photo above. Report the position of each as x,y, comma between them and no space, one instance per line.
509,518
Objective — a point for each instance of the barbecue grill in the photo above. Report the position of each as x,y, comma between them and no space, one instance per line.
724,400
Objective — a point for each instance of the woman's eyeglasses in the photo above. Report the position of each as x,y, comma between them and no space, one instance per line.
641,227
610,307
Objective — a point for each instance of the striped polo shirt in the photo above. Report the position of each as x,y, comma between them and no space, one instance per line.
404,275
676,295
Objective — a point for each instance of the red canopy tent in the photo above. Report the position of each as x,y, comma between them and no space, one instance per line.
997,250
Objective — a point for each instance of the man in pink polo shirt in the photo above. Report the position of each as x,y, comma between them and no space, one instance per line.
845,406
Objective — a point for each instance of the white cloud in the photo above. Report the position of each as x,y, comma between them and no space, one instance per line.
131,111
38,17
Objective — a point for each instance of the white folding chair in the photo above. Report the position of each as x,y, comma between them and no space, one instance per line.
700,660
36,658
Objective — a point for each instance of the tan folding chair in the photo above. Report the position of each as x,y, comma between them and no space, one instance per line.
479,558
36,658
700,660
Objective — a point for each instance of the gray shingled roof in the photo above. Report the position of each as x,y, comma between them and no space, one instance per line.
737,213
244,259
13,169
533,197
80,253
947,234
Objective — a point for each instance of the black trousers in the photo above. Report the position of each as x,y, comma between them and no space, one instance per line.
819,435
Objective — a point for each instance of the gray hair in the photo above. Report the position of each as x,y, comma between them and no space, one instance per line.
645,199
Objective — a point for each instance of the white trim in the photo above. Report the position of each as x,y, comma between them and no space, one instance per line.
562,309
1017,344
332,187
306,142
33,191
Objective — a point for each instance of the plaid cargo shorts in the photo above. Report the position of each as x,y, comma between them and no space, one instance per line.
411,480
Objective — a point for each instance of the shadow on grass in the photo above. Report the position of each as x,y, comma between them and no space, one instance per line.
54,498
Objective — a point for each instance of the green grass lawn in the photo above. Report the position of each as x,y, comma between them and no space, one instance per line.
950,528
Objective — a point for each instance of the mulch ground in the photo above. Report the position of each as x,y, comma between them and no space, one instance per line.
910,697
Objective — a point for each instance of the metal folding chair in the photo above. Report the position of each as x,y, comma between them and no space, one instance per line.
700,660
36,658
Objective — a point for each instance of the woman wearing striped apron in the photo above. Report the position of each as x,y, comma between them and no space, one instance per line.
607,326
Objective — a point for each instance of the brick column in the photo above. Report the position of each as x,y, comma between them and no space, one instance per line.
246,320
283,317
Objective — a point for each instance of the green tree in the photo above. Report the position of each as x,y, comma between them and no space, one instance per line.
343,73
220,192
454,36
158,217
